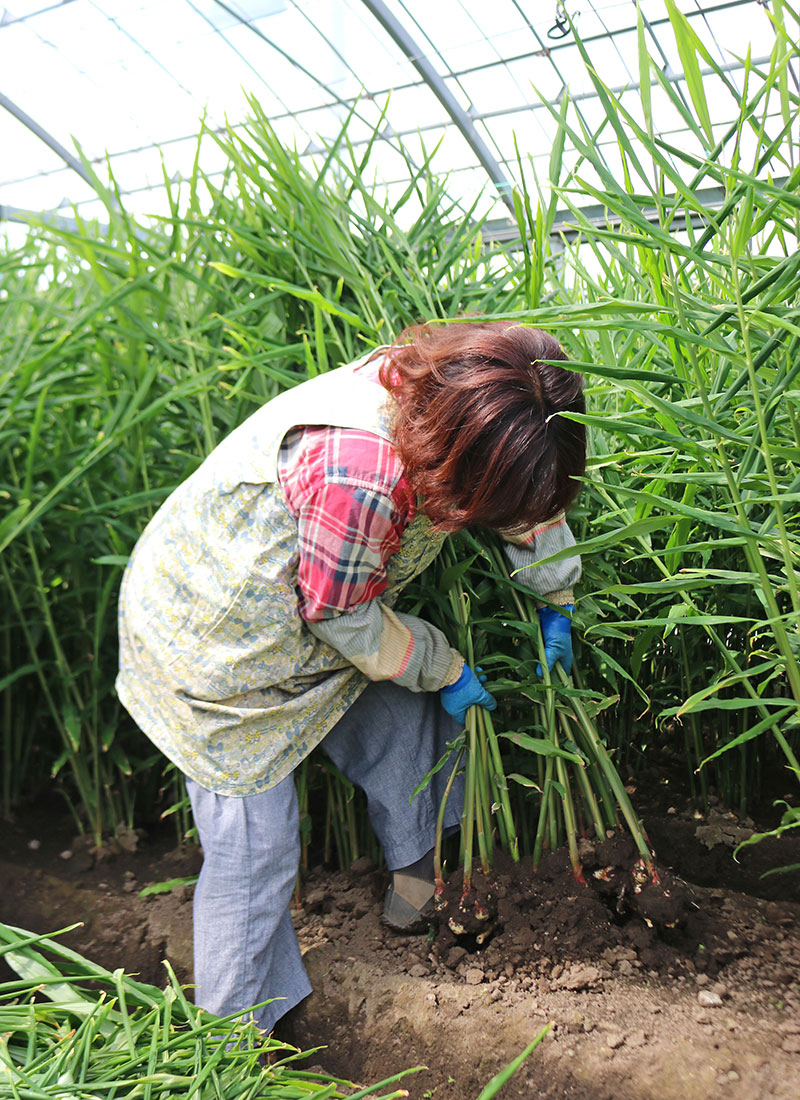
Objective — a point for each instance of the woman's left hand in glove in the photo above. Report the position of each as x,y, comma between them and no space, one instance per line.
557,636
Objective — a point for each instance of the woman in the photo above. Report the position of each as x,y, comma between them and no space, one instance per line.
256,615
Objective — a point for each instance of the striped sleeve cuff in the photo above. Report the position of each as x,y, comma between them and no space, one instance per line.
386,645
561,598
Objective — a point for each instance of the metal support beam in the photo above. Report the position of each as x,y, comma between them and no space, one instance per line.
45,217
432,78
567,226
47,138
618,89
495,231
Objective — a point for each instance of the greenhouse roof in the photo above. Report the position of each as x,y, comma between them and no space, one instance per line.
131,80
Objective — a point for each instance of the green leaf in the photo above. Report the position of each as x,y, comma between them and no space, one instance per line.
541,746
167,886
772,721
454,573
644,72
688,43
456,745
312,296
23,670
10,523
523,781
500,1079
72,725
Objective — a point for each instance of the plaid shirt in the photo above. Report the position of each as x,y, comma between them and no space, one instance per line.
347,491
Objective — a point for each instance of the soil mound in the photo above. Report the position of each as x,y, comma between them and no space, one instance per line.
640,1007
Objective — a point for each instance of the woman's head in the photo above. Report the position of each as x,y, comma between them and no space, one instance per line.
478,428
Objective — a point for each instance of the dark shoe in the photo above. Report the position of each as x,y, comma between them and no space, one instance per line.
408,906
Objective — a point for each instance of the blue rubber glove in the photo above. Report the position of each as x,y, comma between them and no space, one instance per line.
557,635
468,690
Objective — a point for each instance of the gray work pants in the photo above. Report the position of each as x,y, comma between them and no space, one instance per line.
245,948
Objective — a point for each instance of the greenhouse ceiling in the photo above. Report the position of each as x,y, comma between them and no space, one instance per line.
128,81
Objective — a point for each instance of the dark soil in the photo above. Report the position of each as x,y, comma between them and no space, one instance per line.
698,999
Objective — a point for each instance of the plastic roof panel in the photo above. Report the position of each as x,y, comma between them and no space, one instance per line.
127,76
222,19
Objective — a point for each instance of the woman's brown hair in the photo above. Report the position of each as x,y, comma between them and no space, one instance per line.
478,429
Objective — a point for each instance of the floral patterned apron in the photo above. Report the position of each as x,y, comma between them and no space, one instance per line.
216,664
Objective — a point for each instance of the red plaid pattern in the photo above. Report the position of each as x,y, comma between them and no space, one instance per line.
347,491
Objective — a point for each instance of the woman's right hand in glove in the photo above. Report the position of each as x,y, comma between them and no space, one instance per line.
467,691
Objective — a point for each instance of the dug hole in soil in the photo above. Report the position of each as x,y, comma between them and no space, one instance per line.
638,1011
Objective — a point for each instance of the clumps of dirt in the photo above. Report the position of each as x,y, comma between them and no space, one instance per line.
467,914
616,900
618,872
708,1007
635,1012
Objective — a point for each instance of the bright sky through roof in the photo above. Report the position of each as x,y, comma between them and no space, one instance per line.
133,77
